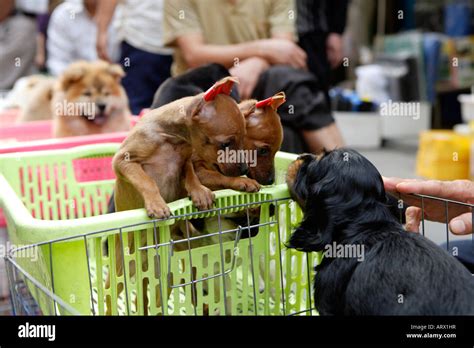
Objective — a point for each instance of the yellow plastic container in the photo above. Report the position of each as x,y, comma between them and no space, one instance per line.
444,155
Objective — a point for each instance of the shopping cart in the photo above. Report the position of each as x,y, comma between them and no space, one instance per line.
55,212
237,265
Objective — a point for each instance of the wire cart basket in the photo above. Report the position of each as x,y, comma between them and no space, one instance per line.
65,260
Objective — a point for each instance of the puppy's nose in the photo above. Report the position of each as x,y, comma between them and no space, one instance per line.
101,106
244,169
270,179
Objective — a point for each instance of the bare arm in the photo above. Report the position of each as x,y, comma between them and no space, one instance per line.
105,12
104,15
278,50
197,53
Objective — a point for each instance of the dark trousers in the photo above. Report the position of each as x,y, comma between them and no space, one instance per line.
145,72
464,251
306,107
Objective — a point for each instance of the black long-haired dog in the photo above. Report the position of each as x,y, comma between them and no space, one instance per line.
399,273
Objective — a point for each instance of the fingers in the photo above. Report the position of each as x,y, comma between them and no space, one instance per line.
462,224
299,58
413,219
391,183
104,55
460,190
101,47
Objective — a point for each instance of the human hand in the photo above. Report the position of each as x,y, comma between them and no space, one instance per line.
334,49
459,217
282,51
102,45
248,73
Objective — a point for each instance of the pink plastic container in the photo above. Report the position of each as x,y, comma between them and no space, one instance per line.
31,131
8,117
85,169
36,136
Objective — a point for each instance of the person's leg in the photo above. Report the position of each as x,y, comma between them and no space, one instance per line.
326,138
463,250
306,109
17,49
190,83
314,44
145,72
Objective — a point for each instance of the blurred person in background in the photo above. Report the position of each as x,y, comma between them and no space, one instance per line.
146,62
17,39
72,34
320,26
42,35
254,41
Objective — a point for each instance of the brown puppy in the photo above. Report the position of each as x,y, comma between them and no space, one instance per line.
89,99
155,159
153,165
262,141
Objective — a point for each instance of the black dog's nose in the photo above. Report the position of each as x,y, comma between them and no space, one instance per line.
101,106
244,169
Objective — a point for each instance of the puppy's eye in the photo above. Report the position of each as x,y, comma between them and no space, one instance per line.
87,94
225,145
263,151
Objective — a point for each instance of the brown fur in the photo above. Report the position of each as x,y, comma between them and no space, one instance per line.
153,165
97,86
264,135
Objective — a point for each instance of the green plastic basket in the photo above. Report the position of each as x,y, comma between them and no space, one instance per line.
246,276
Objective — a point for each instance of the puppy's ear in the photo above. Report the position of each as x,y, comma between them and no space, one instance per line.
116,71
247,107
195,107
274,102
72,75
223,86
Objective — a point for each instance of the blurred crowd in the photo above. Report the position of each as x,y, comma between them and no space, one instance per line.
269,44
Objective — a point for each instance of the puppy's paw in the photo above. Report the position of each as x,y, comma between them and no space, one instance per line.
157,209
245,185
202,198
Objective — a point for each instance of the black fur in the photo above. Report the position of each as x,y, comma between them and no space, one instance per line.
402,273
